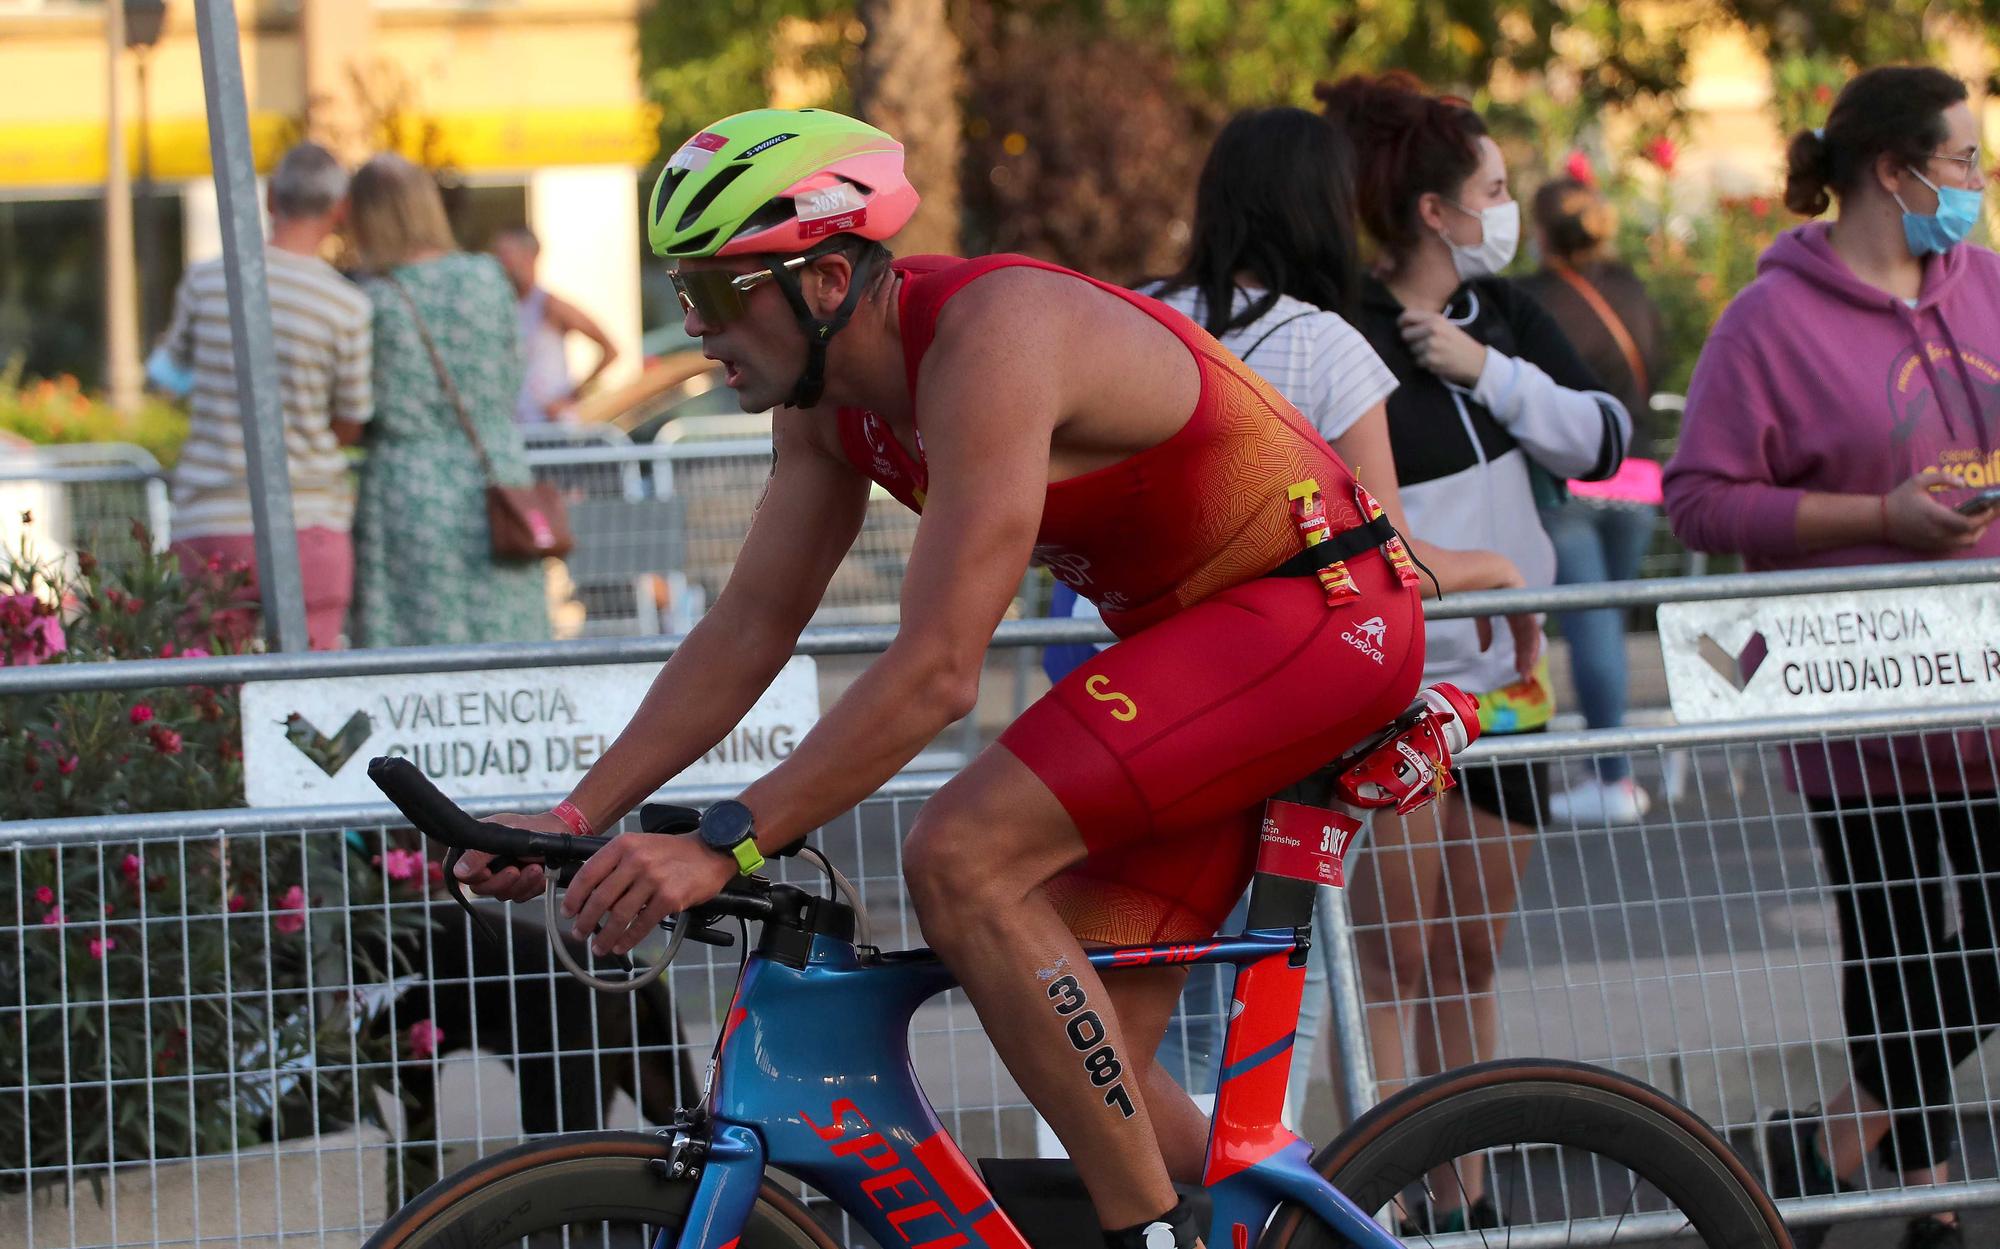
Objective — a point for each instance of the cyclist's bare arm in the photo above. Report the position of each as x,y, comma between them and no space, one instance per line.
987,425
811,511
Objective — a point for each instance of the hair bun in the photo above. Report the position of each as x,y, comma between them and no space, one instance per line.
1809,173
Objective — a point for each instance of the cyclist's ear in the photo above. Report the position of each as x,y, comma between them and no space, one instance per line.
825,282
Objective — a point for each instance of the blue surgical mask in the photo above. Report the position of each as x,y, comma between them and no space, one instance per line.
1935,233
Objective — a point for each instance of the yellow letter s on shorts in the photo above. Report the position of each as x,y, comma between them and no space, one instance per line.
1098,687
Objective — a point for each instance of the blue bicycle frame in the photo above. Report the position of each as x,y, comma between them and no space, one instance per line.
814,1079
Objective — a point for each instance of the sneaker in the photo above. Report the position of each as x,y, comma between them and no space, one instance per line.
1793,1168
1598,801
1422,1221
1930,1232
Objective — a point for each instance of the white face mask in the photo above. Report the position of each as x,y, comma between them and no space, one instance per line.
1500,234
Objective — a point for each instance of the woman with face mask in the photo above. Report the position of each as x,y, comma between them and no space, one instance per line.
1490,395
1846,410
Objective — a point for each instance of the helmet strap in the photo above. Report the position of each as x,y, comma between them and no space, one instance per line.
812,382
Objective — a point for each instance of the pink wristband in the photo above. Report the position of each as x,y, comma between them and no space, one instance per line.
566,812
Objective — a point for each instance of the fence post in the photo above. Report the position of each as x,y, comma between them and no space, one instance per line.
1356,1062
278,577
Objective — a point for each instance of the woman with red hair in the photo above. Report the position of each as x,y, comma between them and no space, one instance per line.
1490,394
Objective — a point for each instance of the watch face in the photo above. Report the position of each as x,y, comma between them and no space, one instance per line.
725,824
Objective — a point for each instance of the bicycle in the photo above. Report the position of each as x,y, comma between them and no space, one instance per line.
811,1077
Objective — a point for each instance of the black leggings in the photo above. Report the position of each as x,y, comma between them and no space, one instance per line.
1920,984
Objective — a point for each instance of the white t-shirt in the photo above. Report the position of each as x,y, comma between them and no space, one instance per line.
1318,361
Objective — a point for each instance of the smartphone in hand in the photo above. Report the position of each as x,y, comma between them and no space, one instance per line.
1984,501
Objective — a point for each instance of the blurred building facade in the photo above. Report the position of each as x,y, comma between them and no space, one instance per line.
531,110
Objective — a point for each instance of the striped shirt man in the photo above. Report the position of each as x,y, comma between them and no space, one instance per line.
321,323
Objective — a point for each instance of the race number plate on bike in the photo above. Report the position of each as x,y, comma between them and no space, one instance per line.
1305,843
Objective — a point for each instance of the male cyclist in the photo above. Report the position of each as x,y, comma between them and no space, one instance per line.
1030,414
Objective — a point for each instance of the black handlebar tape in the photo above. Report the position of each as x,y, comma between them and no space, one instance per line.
438,817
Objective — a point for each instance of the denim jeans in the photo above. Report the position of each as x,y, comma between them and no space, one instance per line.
1599,542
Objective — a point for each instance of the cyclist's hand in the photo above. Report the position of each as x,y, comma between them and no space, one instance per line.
1918,522
637,881
513,884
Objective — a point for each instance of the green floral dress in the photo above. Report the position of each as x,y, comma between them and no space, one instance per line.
424,571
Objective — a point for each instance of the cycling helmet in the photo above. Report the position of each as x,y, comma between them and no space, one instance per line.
783,182
778,180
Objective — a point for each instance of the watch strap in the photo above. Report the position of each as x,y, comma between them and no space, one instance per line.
747,858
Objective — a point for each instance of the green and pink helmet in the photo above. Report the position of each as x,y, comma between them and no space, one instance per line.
780,181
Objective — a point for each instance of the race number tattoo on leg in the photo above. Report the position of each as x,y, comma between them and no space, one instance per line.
1086,1036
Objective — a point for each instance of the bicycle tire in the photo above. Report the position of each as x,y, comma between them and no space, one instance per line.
1539,1102
583,1178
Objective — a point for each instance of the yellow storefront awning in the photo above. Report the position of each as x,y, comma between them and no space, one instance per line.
72,154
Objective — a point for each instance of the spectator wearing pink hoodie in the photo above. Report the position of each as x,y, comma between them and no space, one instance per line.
1847,402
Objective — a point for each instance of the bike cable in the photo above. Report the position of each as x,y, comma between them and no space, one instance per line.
715,1051
632,983
863,934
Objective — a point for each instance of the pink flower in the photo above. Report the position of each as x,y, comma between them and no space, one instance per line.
32,631
45,895
194,652
1662,152
402,864
167,651
237,902
131,868
68,765
1578,166
165,740
99,946
54,918
140,713
425,1037
293,905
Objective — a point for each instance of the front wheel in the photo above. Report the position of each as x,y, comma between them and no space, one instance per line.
589,1190
1562,1153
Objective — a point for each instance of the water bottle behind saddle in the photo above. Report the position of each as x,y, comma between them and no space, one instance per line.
1408,763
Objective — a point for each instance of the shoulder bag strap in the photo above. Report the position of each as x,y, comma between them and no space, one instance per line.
444,377
1261,338
1612,322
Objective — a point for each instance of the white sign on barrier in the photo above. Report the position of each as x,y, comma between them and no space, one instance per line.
514,731
1869,650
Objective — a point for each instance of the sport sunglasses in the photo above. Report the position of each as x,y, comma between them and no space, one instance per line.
716,296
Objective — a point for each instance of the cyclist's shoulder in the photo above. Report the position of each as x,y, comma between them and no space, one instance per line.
1013,300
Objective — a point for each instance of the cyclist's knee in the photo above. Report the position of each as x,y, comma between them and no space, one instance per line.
949,866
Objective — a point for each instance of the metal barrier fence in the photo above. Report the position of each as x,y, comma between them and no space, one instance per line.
657,526
87,495
266,1018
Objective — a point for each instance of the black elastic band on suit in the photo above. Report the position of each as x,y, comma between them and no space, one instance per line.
1345,545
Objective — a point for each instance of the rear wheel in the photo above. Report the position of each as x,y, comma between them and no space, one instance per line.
1570,1155
590,1190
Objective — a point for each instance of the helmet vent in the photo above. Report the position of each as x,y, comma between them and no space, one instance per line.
661,197
706,195
698,245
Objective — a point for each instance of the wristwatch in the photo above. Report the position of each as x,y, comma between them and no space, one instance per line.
729,828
